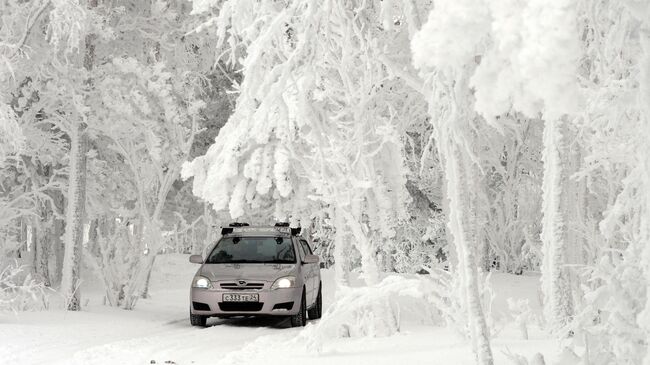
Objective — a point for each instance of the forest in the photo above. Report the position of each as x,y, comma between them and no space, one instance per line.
423,146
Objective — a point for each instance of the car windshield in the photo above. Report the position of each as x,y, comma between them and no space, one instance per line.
238,250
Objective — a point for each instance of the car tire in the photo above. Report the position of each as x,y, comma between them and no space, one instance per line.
300,319
317,310
198,320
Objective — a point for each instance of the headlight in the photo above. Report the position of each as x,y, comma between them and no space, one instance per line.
284,282
201,282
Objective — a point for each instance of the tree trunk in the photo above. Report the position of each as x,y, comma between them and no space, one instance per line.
150,264
75,215
34,259
555,280
451,254
209,230
367,250
75,219
23,248
575,242
57,243
453,131
41,264
460,224
340,249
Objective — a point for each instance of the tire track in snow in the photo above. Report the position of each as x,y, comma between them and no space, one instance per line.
180,346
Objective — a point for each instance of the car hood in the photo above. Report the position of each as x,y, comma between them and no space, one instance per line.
261,272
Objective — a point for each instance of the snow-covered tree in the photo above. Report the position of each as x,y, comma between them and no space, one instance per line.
514,74
154,120
513,183
613,319
578,68
36,166
446,63
314,125
71,16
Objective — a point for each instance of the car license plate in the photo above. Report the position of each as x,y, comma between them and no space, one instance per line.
236,297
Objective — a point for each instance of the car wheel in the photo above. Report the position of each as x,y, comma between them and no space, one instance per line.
198,320
317,310
300,319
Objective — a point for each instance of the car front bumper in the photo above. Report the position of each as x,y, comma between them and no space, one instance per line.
277,302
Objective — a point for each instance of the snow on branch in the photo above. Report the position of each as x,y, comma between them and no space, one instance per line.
68,25
12,140
20,292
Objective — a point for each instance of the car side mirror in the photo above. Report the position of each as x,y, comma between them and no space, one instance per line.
323,266
311,259
196,259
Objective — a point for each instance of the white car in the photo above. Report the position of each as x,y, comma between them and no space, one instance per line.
259,271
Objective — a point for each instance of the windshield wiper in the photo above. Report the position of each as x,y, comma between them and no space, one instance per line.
252,262
280,262
243,262
234,262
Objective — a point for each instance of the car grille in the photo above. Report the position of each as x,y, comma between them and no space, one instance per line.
240,306
247,286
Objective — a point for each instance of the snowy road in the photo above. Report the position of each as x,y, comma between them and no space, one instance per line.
158,331
95,338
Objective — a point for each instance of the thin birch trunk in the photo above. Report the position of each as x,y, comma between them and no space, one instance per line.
56,239
33,247
41,235
555,280
145,291
71,279
209,234
452,255
341,273
453,130
153,238
575,222
461,228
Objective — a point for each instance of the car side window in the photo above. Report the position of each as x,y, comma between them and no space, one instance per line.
302,250
305,247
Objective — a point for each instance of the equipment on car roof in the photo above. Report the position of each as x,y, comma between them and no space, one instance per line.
245,227
294,230
238,224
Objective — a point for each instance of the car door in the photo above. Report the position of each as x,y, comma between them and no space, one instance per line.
311,272
305,271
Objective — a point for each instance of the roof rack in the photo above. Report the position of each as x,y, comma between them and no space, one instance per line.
239,224
294,230
245,227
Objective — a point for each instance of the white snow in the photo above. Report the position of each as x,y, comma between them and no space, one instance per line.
158,330
12,139
452,34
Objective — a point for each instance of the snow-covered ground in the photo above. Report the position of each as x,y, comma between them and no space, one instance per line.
158,331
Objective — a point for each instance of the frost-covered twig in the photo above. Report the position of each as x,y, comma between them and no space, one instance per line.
20,292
